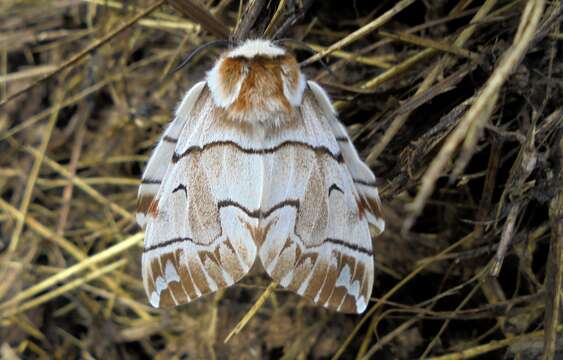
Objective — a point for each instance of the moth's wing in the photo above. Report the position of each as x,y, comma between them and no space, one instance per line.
363,177
194,244
162,155
317,241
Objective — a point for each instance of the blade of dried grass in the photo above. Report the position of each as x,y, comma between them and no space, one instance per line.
84,113
117,181
257,305
34,172
400,68
391,73
72,100
554,276
361,32
201,15
3,72
27,73
93,46
478,114
523,166
295,350
248,19
491,346
273,22
381,301
433,44
444,326
82,185
41,229
371,331
388,338
399,121
161,20
8,312
23,323
87,262
367,60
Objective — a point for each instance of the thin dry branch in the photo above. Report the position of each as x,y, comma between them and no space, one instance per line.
481,110
89,49
202,16
363,31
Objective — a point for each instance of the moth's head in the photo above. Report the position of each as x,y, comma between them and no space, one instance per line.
255,79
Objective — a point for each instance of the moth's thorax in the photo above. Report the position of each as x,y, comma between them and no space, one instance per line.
256,82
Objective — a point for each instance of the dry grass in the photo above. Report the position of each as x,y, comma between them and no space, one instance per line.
456,105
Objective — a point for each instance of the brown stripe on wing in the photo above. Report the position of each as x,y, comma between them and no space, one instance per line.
369,204
213,268
198,276
321,278
147,204
330,280
228,257
174,276
337,297
303,267
318,279
259,151
348,305
258,233
175,288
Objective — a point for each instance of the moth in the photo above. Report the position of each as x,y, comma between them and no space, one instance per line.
256,165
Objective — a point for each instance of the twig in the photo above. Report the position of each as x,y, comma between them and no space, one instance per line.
389,337
399,121
363,31
201,15
96,44
34,173
479,113
257,305
491,346
273,22
249,17
78,267
81,184
554,276
524,165
63,289
433,44
75,156
381,301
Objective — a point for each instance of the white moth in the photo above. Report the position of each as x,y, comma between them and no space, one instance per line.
257,165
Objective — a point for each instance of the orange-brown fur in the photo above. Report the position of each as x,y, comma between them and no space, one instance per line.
147,205
289,63
231,70
263,83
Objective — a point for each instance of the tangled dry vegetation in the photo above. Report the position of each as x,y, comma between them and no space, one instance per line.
456,105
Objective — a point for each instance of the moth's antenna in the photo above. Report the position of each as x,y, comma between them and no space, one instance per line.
197,51
311,50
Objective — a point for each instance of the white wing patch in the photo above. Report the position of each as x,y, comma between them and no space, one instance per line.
363,177
160,159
